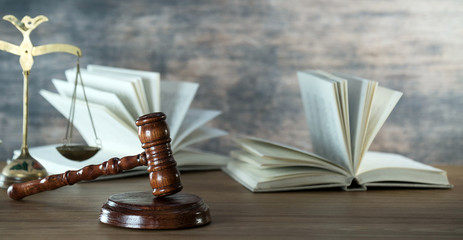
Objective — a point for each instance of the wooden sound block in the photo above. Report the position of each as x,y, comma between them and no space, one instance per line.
142,210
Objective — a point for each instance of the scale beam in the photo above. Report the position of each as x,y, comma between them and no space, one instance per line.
8,47
54,48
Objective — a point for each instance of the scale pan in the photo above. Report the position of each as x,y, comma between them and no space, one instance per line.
77,152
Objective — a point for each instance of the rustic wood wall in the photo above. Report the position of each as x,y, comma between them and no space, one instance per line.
245,54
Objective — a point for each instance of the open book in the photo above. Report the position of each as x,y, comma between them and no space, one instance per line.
117,97
344,115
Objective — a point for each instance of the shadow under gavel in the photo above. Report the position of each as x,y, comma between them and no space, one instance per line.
156,212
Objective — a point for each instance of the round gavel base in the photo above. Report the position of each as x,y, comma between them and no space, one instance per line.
141,210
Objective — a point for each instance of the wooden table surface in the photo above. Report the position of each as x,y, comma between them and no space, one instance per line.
72,212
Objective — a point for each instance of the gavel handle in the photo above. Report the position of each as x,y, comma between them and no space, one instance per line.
113,166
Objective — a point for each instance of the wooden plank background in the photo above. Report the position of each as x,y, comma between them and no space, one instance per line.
245,55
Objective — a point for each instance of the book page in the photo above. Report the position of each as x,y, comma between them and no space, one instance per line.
200,134
270,150
344,96
320,101
107,99
361,93
114,133
275,174
284,179
125,90
176,98
266,162
377,160
136,81
384,101
151,83
394,168
194,119
188,159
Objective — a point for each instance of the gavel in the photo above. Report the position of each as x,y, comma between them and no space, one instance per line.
165,208
155,138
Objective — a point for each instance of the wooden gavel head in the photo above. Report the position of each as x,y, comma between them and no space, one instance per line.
155,138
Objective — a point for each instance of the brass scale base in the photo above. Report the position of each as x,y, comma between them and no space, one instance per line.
6,181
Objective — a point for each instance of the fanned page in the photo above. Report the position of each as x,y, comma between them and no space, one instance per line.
265,162
361,92
266,149
342,94
94,96
384,101
115,134
201,134
176,98
194,119
136,81
125,89
342,99
188,160
268,162
387,169
320,101
151,82
255,161
284,179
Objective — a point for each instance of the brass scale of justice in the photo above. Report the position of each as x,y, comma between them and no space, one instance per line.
163,208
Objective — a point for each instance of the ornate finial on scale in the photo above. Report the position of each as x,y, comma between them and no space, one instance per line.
25,167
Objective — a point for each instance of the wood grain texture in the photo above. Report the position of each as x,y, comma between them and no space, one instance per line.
72,213
245,55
